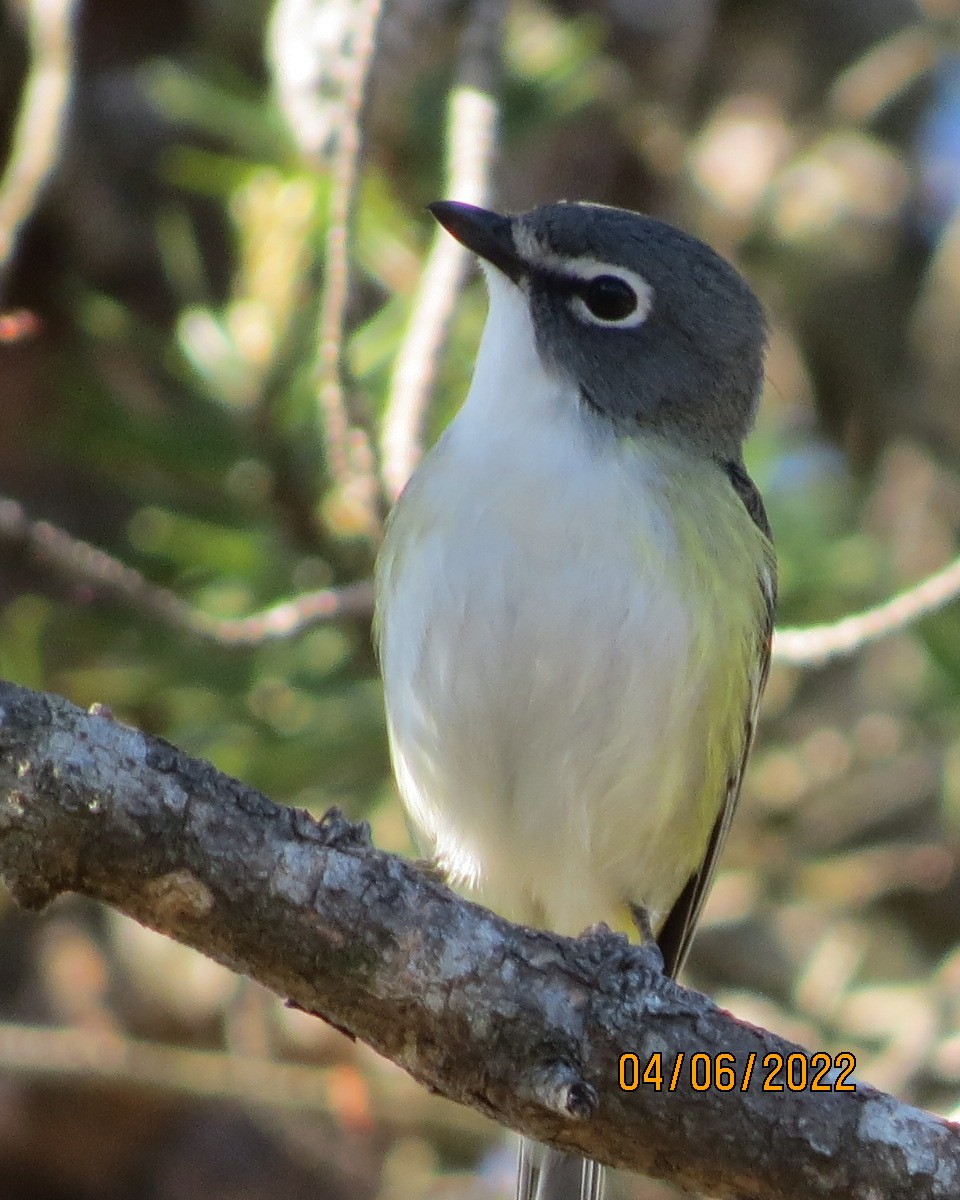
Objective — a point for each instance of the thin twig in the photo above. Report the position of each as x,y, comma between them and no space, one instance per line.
471,145
348,450
36,137
819,644
84,564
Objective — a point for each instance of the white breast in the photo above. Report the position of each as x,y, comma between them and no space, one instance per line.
544,693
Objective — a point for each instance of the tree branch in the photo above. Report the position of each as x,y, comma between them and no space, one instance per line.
93,568
816,645
348,449
36,137
524,1026
472,120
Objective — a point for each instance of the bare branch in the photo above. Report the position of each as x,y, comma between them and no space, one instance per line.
523,1026
36,137
816,645
348,450
471,147
84,564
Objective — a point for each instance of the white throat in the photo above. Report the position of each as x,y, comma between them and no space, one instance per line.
511,387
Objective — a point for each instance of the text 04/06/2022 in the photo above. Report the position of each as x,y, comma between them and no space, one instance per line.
797,1072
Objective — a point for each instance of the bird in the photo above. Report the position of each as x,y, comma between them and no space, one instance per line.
575,590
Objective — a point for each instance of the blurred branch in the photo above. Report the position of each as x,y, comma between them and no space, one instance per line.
308,43
36,137
882,73
524,1026
88,1055
84,564
471,145
818,644
348,448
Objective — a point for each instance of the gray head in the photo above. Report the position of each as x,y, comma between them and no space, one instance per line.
656,330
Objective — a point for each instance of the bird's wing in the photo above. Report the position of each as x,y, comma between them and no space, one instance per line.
677,932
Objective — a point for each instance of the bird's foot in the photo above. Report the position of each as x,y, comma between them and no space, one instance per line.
641,922
432,869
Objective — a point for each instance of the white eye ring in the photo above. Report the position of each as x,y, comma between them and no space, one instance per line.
590,271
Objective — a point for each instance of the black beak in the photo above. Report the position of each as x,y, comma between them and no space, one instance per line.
487,234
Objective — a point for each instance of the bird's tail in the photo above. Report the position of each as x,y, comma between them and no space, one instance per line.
547,1174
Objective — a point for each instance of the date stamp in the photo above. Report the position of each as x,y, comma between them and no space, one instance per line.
797,1072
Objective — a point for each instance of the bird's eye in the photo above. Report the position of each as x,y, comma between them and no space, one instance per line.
609,298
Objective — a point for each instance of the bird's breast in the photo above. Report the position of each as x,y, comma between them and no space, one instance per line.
552,635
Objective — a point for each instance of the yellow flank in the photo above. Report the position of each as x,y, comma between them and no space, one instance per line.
719,560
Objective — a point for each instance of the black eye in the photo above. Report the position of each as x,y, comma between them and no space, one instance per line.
609,298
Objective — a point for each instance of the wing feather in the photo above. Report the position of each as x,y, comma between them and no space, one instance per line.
677,933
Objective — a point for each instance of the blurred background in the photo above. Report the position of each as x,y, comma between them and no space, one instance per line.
170,340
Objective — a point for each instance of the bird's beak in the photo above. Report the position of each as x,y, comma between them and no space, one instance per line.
487,234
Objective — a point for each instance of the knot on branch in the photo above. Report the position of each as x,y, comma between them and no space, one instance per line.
337,831
178,896
559,1088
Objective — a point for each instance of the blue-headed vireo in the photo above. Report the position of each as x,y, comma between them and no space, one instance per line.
576,588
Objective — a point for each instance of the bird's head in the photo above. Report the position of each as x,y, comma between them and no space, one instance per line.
656,331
